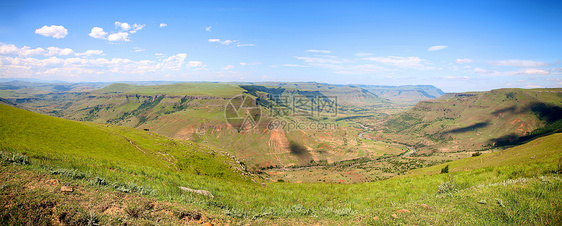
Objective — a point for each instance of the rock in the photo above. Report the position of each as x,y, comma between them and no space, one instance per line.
375,218
425,206
66,189
207,224
201,192
403,211
482,202
52,182
394,215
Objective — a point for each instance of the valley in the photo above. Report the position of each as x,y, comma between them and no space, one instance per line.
147,141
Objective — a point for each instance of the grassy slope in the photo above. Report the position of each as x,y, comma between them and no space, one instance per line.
194,89
279,202
540,151
467,123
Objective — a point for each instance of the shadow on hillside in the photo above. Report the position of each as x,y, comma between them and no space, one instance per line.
468,128
300,152
550,114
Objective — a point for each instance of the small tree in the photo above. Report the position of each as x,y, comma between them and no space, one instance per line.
445,170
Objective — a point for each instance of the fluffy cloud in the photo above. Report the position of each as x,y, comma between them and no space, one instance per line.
123,26
12,50
435,48
534,71
482,71
54,61
133,28
399,61
464,61
163,25
320,60
54,51
228,42
363,54
318,51
118,37
457,77
519,63
195,64
173,63
90,53
97,32
242,45
228,67
208,29
138,49
52,31
121,36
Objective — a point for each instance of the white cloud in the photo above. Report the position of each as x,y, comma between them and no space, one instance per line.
10,49
123,26
293,65
464,61
457,77
228,67
534,71
482,71
76,66
363,54
27,51
54,51
138,49
228,42
52,31
97,32
532,86
242,45
318,51
321,60
208,29
136,27
519,63
435,48
195,64
163,25
249,64
173,63
399,61
118,37
90,53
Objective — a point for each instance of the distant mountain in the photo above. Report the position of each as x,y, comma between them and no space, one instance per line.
408,95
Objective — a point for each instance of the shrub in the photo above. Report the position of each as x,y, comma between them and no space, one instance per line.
445,170
15,158
74,174
476,154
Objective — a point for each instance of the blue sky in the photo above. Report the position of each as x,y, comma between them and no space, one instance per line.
454,45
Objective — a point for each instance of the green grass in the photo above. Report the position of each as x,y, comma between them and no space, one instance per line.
194,89
125,156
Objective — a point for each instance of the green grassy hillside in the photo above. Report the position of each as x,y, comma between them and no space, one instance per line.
133,161
474,121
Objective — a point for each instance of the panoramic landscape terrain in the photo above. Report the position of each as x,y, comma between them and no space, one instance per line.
280,113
